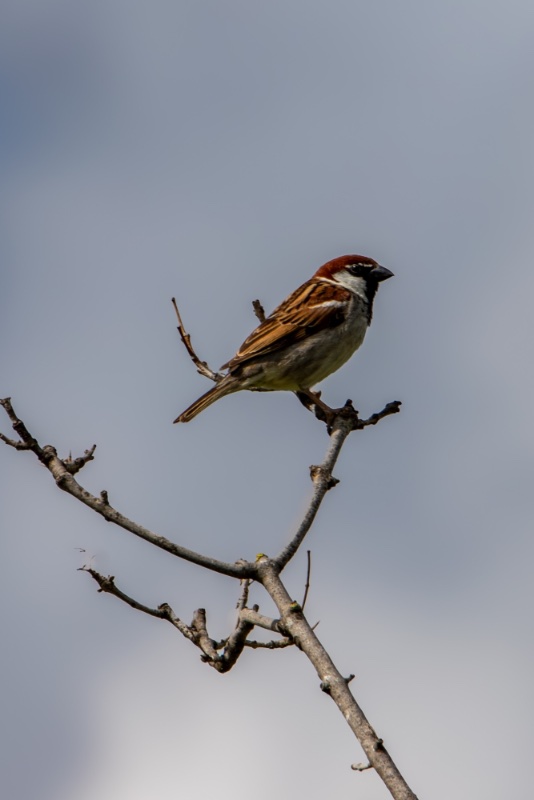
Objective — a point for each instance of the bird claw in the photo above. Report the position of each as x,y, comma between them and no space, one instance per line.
312,401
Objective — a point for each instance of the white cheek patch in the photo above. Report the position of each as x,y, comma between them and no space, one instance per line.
354,283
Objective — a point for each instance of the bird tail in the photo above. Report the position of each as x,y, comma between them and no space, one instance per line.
220,390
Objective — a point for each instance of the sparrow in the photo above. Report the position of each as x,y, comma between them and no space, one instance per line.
307,337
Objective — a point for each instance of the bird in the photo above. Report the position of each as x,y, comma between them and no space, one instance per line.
310,335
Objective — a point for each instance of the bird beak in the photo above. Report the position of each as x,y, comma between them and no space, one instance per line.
381,273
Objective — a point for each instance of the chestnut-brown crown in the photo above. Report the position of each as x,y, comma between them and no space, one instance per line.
329,269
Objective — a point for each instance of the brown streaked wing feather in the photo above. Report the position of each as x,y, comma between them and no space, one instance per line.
302,314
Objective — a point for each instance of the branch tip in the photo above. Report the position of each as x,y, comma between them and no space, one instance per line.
307,584
258,310
202,366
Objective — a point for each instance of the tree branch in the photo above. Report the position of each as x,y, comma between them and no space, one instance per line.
13,443
260,621
197,632
294,623
279,644
164,611
202,366
235,645
62,474
307,586
74,465
345,420
323,481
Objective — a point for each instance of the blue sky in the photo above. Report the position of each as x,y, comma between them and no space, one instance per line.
218,153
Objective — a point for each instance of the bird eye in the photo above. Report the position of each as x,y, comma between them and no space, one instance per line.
357,269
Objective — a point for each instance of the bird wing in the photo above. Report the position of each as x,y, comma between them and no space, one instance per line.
311,308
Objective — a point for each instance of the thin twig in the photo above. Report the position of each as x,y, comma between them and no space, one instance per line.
243,597
391,408
260,620
307,586
202,366
197,632
259,310
13,443
279,644
313,402
164,611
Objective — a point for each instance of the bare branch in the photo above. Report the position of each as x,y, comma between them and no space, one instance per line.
243,598
312,401
76,464
307,586
292,624
391,408
293,621
12,442
235,645
322,483
341,424
66,481
202,366
259,310
259,620
164,611
272,645
197,632
248,618
202,639
27,442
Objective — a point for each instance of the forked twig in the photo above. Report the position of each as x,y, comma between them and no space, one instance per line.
164,611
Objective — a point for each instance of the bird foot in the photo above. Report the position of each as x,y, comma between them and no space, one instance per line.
312,401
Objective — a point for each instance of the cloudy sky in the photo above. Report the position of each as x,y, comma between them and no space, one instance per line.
219,152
